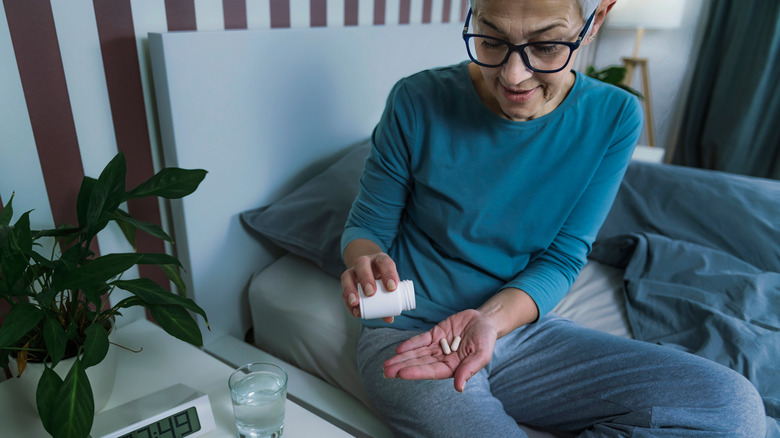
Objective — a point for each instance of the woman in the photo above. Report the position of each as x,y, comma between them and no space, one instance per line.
486,185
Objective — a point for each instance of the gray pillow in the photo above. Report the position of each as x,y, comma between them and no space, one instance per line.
309,221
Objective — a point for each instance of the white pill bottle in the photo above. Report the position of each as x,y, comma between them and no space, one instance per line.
383,303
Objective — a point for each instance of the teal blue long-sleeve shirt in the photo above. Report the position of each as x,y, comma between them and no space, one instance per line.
468,203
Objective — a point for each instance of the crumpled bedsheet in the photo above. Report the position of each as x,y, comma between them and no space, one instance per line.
704,301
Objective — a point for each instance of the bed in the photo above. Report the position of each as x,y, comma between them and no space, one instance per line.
280,119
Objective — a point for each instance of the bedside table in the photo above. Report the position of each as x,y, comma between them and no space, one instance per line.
165,361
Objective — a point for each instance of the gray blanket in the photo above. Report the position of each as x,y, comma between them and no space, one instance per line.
704,301
701,253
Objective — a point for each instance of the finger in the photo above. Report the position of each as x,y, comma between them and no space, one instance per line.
432,371
413,355
388,319
384,268
349,291
467,368
391,369
365,275
419,341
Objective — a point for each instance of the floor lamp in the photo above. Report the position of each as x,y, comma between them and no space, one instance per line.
641,15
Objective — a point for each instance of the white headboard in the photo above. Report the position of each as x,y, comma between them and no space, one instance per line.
261,111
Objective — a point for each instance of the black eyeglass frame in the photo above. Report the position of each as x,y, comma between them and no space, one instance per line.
521,47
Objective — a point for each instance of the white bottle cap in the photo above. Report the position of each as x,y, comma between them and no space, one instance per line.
383,303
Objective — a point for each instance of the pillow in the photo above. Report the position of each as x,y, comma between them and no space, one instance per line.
309,221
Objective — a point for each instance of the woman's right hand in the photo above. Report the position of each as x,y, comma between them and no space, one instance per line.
366,270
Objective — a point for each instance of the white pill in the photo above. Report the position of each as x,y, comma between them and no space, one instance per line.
445,346
455,343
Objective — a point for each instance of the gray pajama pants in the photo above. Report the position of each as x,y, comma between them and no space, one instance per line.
558,375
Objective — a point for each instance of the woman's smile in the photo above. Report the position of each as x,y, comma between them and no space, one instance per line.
518,95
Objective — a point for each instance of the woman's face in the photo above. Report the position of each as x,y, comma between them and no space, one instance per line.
512,90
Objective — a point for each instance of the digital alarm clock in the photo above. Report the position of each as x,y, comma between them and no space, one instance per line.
177,411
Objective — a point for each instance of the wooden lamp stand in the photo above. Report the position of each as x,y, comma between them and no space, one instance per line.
631,64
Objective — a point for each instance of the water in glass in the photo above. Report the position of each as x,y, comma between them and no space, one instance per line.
258,405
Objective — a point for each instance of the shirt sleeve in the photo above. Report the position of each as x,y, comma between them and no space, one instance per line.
549,277
386,180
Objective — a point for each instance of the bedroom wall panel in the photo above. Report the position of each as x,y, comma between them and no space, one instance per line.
76,86
262,120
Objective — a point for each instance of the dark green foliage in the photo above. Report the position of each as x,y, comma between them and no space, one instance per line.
59,304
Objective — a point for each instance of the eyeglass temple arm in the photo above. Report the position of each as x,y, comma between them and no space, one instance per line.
466,26
587,26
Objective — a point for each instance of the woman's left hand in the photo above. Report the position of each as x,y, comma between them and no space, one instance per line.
421,357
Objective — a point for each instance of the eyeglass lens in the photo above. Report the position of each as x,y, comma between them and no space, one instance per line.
541,56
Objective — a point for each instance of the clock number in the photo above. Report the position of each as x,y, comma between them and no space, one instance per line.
176,423
165,433
182,419
147,429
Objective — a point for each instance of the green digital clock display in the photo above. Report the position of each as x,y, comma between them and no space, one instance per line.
178,425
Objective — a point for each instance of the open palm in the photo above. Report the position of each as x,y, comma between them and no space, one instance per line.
421,357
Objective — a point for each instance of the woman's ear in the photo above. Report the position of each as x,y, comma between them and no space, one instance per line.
601,14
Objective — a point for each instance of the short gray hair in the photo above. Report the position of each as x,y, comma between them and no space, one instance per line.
586,7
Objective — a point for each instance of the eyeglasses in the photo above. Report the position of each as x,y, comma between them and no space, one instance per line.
538,56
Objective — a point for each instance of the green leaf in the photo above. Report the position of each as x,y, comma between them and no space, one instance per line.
73,413
45,297
82,201
55,338
61,231
15,247
178,323
123,220
22,318
94,292
171,183
107,194
95,345
97,271
149,258
5,236
43,261
4,358
154,294
8,212
15,250
127,229
613,75
22,234
128,302
172,271
46,396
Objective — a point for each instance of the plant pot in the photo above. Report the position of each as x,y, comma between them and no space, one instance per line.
101,377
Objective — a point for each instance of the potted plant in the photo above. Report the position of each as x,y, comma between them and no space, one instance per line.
59,304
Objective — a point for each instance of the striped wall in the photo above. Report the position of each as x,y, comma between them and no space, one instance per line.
75,88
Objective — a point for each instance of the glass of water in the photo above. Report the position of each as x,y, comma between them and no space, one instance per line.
259,391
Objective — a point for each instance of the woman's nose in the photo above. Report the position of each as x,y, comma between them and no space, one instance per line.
514,70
